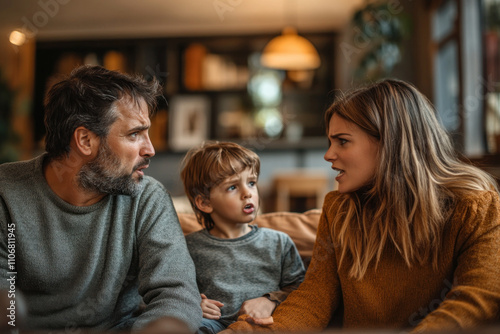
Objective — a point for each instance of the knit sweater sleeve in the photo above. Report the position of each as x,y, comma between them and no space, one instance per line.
475,296
167,280
292,273
311,306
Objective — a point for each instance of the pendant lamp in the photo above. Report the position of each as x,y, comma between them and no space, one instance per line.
289,51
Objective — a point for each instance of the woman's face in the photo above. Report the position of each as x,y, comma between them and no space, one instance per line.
353,153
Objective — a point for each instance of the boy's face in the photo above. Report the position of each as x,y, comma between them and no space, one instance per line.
234,201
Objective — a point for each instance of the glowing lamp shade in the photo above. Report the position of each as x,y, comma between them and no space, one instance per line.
17,37
290,51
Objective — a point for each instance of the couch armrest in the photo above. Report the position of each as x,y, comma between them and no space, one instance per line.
189,223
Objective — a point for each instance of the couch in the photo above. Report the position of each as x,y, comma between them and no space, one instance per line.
301,227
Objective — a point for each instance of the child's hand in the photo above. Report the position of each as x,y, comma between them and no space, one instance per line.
260,307
210,308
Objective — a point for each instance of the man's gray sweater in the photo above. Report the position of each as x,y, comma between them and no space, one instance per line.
89,266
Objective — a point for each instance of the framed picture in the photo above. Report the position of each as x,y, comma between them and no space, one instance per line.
189,121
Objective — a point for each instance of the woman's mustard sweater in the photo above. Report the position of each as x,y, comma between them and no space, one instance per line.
464,292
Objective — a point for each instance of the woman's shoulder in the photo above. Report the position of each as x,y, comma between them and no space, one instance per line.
332,196
477,208
477,199
332,201
475,220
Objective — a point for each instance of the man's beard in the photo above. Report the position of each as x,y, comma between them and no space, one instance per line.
100,175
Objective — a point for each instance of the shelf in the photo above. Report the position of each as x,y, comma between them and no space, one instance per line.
304,144
231,111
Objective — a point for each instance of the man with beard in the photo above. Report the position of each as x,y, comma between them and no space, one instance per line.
85,236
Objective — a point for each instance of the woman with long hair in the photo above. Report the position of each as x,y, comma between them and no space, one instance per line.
411,238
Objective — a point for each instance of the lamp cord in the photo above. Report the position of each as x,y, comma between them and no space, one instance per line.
291,14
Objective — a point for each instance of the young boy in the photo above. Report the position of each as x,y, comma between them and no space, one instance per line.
240,268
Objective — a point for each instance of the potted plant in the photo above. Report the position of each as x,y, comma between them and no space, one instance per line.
381,29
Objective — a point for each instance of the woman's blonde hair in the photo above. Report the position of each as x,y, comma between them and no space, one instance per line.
208,165
418,176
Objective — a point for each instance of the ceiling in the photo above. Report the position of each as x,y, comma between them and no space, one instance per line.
84,19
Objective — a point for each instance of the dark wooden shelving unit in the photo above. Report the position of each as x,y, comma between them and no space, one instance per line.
164,58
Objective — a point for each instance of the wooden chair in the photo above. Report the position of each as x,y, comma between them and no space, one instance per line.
307,184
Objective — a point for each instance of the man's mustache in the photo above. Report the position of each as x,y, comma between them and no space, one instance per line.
143,163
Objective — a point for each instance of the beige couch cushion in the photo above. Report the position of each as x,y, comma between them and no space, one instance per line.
301,227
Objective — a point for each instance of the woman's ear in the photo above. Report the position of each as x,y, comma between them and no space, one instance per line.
203,204
85,141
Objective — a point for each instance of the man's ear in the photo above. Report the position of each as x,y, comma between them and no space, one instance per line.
203,204
85,140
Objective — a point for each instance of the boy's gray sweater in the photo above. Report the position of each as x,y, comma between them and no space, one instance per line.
235,270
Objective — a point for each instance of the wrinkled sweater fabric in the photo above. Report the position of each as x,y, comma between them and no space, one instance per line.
463,292
232,271
88,267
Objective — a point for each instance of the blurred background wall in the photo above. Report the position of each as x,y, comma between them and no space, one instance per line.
215,60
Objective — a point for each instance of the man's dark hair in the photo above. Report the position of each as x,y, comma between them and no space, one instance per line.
86,98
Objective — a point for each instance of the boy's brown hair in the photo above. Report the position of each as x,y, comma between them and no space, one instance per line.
208,165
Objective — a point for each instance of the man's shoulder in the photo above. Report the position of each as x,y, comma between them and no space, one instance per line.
151,181
152,195
19,170
152,186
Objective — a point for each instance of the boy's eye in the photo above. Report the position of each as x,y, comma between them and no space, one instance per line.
231,188
253,183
